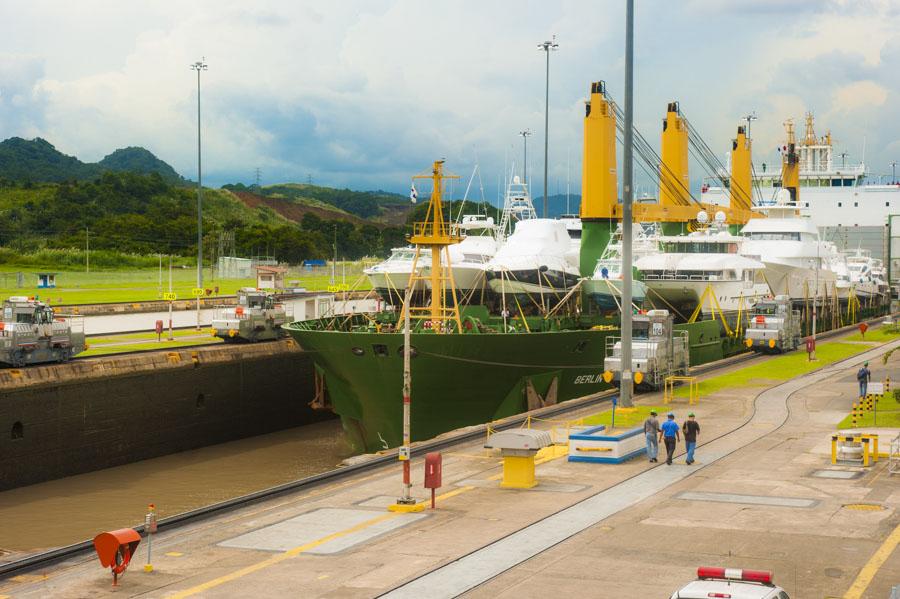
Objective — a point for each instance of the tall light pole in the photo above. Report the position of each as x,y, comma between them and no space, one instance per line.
199,66
626,391
547,47
525,135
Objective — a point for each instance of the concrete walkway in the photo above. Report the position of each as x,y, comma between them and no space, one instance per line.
454,579
636,529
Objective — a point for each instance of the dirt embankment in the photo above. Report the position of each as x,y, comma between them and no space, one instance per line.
294,210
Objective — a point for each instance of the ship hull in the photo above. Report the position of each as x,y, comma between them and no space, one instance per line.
457,380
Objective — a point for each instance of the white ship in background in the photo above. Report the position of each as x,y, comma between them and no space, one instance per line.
848,209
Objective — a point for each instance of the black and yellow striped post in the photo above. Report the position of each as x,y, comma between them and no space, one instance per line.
853,415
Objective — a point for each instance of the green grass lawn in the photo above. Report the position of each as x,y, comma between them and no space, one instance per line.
780,368
889,417
126,286
625,417
882,334
205,332
152,345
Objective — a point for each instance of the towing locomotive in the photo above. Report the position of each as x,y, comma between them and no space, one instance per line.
256,317
657,351
31,333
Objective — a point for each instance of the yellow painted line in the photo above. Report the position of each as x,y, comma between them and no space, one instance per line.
868,572
276,559
174,554
450,494
29,578
323,577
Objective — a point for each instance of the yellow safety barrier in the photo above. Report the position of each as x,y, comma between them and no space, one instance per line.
693,389
868,443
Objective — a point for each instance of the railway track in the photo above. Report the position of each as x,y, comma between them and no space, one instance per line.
419,449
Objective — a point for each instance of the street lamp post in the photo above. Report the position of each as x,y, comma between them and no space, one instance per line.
525,135
627,382
547,47
199,66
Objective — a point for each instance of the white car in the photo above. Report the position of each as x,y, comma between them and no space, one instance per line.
731,583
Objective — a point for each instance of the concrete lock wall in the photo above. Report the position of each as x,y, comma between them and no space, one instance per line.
95,414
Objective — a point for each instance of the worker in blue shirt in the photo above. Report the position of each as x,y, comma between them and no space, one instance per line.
669,434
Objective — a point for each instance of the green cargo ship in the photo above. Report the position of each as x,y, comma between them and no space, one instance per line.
461,379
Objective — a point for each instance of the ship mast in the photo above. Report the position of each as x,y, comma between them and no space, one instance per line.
436,234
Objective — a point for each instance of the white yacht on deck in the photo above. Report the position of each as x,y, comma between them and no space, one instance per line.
788,244
688,268
534,261
469,258
390,278
605,284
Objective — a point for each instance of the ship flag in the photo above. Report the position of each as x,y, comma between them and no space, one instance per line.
413,196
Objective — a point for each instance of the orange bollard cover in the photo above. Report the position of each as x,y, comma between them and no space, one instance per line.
107,545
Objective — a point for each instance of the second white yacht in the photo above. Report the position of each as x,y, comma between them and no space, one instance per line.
688,268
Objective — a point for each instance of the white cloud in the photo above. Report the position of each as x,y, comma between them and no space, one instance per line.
366,93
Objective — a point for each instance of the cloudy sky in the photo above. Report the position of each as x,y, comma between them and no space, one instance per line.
364,94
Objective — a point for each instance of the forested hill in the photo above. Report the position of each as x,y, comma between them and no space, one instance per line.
37,161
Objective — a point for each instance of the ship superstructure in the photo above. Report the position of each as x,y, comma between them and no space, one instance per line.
848,207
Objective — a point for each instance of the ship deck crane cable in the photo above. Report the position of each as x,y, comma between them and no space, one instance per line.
709,160
650,160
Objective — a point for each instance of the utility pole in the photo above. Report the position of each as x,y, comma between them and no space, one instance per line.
547,47
159,285
525,135
171,334
334,259
199,66
257,178
87,250
625,395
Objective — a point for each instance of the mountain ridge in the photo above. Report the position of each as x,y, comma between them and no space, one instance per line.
38,161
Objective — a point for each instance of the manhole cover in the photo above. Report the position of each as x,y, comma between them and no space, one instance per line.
837,474
864,507
834,572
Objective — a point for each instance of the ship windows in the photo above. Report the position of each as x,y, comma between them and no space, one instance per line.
839,204
856,204
358,351
18,431
380,350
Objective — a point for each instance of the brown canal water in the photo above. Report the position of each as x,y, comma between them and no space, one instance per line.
76,508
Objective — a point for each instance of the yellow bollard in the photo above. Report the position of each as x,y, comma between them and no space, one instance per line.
865,444
518,472
875,448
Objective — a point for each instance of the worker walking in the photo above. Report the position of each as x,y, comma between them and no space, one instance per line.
651,429
691,429
864,375
670,436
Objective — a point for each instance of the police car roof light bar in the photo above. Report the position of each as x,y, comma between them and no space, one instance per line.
735,574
